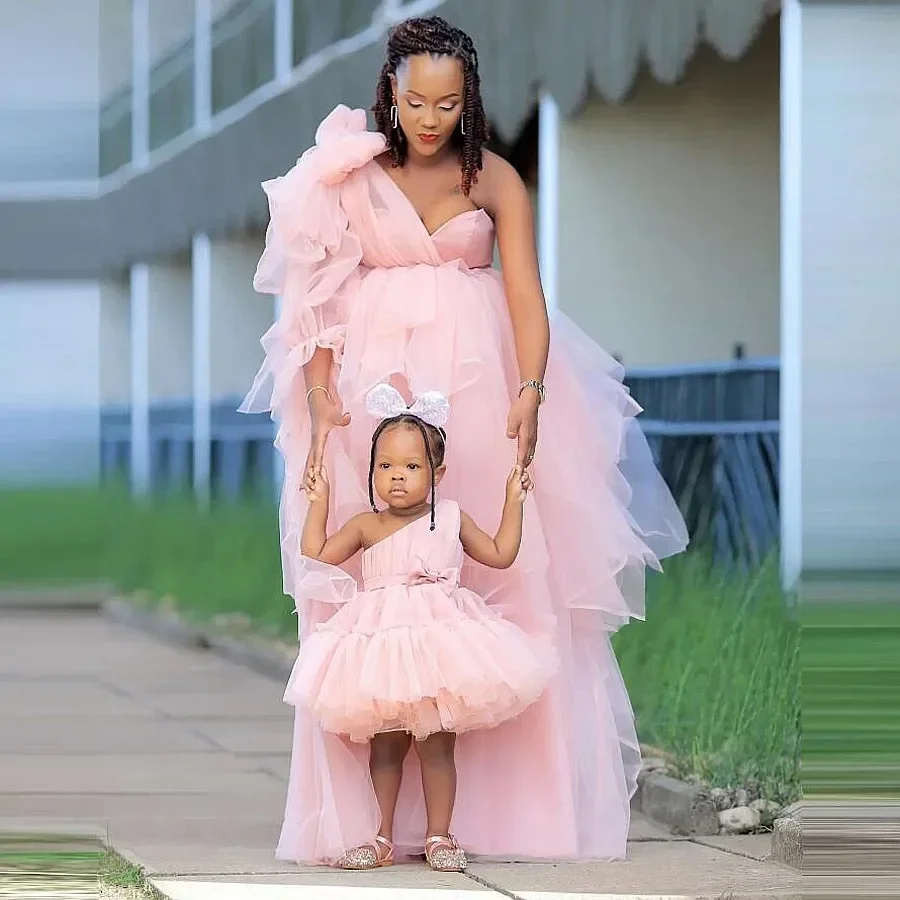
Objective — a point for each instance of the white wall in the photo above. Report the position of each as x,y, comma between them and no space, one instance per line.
850,282
669,212
49,88
239,317
115,342
49,369
171,352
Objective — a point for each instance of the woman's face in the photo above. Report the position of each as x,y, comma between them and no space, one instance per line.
428,91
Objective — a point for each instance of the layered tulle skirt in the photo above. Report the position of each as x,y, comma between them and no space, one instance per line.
420,659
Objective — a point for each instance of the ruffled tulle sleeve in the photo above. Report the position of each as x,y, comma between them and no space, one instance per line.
311,255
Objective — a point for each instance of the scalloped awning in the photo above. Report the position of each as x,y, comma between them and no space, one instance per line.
569,46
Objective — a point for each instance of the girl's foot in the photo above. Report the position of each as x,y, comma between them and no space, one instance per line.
369,856
444,854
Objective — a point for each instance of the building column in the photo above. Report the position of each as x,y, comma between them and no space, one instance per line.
202,65
140,82
548,197
284,40
140,378
201,274
791,468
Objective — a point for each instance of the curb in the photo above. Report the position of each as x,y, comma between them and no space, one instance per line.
787,838
258,656
683,808
79,598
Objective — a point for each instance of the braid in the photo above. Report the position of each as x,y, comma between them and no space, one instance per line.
434,439
436,37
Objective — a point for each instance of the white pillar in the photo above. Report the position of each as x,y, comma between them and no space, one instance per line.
202,64
548,197
284,40
791,296
140,378
201,259
140,82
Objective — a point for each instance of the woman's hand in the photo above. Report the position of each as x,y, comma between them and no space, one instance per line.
325,413
523,425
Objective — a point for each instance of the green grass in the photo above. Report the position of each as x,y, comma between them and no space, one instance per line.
228,562
37,865
713,673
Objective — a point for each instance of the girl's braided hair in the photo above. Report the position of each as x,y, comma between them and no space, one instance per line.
435,442
437,37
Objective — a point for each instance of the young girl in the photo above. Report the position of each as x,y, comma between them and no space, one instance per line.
414,658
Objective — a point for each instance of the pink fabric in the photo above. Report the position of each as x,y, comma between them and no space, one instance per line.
416,652
358,272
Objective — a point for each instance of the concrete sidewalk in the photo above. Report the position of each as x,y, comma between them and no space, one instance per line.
182,758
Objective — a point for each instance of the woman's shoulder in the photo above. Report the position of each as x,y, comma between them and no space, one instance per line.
498,181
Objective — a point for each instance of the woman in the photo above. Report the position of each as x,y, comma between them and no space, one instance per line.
381,245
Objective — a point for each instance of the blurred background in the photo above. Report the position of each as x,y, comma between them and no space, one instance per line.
718,202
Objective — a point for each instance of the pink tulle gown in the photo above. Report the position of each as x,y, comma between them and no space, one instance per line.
358,272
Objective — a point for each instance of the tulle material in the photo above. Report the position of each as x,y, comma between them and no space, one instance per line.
359,273
416,652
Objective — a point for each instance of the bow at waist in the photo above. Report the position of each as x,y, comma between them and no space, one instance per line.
417,576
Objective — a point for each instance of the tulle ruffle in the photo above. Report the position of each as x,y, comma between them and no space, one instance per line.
419,659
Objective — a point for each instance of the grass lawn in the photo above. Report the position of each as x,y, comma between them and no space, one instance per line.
713,673
43,865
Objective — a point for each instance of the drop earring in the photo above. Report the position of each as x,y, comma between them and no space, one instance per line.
395,116
462,124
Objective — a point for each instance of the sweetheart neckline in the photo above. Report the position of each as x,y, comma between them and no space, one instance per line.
431,234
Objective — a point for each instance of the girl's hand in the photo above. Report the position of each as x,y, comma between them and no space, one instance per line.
325,414
523,425
316,486
518,485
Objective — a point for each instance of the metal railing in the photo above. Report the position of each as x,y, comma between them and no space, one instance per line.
714,431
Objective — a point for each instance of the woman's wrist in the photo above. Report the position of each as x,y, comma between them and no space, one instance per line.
533,388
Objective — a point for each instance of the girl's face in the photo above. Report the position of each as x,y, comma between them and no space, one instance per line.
402,474
428,91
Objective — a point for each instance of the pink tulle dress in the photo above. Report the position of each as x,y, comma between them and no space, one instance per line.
358,272
416,652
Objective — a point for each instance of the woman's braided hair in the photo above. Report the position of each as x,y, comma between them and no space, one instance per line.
435,442
437,37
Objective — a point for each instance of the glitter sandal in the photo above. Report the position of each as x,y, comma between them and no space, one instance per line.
369,856
444,854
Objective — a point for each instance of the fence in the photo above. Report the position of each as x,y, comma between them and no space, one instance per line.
714,432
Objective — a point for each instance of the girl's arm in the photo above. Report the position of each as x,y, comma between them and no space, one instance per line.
501,550
336,549
314,540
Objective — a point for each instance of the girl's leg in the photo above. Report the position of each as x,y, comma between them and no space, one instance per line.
438,780
386,754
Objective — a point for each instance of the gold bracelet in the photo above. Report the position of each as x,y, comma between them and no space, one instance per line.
317,387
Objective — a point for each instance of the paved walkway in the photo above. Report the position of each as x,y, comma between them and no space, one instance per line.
182,757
